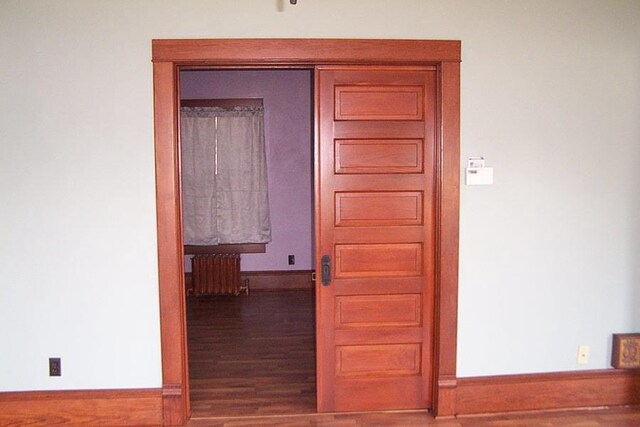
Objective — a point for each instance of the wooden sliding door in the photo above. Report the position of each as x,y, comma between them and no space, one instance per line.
375,181
392,238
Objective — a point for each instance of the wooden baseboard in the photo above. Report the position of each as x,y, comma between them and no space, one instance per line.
174,412
278,280
282,280
140,407
561,390
445,397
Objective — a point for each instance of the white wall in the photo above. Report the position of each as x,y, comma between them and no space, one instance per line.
549,254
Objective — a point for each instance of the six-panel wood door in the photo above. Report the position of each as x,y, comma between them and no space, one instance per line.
375,219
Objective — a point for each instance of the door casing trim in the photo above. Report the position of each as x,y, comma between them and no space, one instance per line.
169,56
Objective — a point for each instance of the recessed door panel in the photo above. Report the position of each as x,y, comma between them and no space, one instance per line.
389,259
378,360
389,102
378,156
378,208
374,222
361,311
382,392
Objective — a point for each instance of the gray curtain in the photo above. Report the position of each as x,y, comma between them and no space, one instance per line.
224,176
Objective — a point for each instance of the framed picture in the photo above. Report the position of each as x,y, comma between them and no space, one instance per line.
626,351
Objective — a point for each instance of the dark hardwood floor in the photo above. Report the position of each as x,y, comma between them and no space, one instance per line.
252,363
608,417
252,355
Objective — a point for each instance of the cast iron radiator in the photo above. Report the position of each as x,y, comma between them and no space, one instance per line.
216,274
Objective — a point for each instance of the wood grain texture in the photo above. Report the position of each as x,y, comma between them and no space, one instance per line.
376,227
283,280
401,392
170,247
378,156
369,310
169,55
380,130
609,417
127,407
304,51
252,354
379,260
378,360
483,395
378,102
447,240
368,208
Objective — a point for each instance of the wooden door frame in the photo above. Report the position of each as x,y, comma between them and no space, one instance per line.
169,56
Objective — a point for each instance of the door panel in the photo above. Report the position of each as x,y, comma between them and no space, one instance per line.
373,156
378,260
382,392
375,217
378,335
378,102
377,360
380,208
378,310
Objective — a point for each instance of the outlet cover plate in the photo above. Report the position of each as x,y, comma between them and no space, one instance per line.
55,367
584,351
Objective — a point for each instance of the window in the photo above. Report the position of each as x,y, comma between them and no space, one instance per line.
224,173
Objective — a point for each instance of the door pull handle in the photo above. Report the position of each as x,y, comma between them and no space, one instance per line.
326,270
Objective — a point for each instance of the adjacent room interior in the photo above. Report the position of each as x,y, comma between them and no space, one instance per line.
250,297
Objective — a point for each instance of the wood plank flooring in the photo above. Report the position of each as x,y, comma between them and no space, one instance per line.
252,363
610,417
252,355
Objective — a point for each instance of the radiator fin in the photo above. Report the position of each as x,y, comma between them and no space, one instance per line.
216,274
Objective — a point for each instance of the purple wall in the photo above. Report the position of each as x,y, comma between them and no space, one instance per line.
288,137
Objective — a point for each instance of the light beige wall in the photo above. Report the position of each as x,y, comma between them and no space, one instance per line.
549,254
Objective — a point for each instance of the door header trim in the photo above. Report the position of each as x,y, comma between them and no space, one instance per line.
304,51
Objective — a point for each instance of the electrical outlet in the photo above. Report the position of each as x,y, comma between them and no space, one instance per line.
292,259
583,354
55,367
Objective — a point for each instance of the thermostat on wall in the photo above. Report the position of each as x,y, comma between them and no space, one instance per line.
477,174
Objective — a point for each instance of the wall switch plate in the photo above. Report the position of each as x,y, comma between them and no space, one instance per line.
55,367
292,259
583,354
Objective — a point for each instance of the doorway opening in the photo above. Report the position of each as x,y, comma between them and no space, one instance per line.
254,353
170,56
